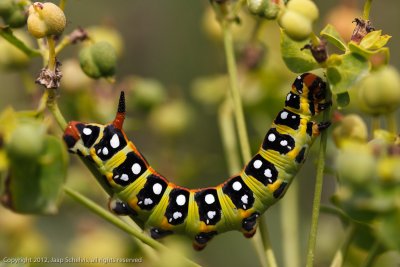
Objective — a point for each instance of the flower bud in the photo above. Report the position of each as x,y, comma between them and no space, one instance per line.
6,7
351,128
265,8
307,8
98,60
379,92
27,141
17,18
356,164
171,118
296,26
45,19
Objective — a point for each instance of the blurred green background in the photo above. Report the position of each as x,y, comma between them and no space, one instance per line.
166,43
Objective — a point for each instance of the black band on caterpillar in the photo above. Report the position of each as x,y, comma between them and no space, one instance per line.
202,213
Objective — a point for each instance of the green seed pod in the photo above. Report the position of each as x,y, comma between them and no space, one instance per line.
17,19
6,7
307,8
45,19
296,26
264,8
98,60
356,164
351,128
379,92
108,34
147,93
26,141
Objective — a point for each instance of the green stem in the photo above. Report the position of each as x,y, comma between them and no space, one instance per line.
367,8
8,35
118,223
375,124
374,251
264,237
54,109
52,54
227,128
391,122
340,255
290,226
317,195
235,93
61,45
62,4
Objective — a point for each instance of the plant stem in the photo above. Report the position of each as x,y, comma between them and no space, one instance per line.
391,122
118,223
8,35
55,110
317,195
235,93
290,226
367,8
264,237
52,54
374,251
229,141
340,255
62,4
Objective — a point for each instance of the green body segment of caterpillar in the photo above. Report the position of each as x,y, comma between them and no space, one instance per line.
165,208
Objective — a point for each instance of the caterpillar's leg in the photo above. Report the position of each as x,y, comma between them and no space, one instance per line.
317,128
201,240
119,207
158,233
323,106
249,225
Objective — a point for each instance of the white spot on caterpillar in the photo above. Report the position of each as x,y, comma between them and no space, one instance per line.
288,96
124,177
211,214
271,137
257,164
209,199
237,186
105,151
293,117
181,200
284,143
157,188
148,201
177,215
268,173
87,131
284,115
298,77
114,142
245,199
136,168
98,151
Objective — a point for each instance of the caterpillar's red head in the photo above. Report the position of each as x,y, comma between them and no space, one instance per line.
308,95
80,136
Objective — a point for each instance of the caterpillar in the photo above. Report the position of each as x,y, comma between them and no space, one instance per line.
236,204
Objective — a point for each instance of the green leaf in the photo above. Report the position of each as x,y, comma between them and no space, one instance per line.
333,37
296,59
35,185
347,72
343,99
374,40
